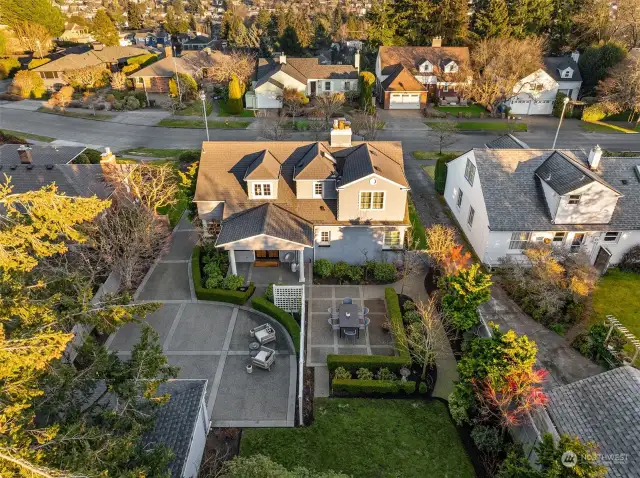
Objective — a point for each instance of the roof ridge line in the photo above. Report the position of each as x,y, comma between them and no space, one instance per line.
583,169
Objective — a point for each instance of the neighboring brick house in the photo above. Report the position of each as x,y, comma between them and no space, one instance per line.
155,77
111,57
407,77
273,75
297,201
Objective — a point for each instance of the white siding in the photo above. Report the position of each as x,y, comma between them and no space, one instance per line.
477,234
596,206
196,448
551,197
530,100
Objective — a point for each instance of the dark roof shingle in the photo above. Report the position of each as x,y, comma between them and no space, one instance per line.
507,141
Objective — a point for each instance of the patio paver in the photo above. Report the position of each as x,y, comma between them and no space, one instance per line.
168,281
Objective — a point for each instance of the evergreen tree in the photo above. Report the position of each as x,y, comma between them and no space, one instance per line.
414,19
561,37
174,24
596,61
529,17
493,20
321,35
134,16
263,20
104,30
289,42
44,12
452,22
337,20
382,23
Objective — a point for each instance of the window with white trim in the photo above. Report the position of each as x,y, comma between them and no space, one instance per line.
262,190
347,86
318,188
392,239
519,240
445,88
327,86
459,200
371,200
470,172
325,238
472,213
574,199
559,237
611,237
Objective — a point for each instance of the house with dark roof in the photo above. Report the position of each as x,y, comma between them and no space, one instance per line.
297,201
536,93
506,196
307,75
407,77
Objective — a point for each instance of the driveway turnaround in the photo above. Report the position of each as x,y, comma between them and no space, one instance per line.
210,340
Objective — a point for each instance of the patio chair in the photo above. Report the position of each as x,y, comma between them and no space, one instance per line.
330,311
350,333
264,333
334,323
364,323
265,358
347,300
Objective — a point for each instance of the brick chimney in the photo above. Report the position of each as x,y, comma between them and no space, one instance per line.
24,153
107,157
436,42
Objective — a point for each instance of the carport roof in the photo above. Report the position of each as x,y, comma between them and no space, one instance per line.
267,219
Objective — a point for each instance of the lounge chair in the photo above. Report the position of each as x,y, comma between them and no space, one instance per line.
265,358
264,333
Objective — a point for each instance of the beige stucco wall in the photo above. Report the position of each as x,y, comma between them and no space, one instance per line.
394,204
210,210
304,190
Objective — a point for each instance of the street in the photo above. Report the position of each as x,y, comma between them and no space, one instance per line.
120,136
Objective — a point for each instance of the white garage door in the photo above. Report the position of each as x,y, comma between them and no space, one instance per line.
267,101
404,101
541,107
520,107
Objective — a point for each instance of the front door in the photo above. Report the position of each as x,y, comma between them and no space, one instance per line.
313,88
578,240
602,260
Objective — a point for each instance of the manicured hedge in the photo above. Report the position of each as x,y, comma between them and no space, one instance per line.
375,362
263,305
357,387
221,295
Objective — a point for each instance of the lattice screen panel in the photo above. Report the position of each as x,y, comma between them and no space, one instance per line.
288,297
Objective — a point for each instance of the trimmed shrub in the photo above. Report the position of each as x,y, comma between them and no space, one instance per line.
385,374
341,270
234,104
341,373
190,156
385,272
370,362
355,273
263,305
356,386
630,261
364,374
487,439
594,113
141,97
558,105
322,268
93,155
8,67
412,317
268,293
422,388
131,103
81,159
220,295
409,305
440,175
36,62
407,387
232,282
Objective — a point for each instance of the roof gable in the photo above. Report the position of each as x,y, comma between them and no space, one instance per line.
264,167
365,160
317,164
401,79
411,57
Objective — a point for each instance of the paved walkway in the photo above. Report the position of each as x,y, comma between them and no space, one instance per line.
565,365
209,340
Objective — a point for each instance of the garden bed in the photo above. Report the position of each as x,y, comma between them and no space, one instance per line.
233,295
371,272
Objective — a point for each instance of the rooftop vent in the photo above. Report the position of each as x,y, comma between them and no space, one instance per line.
29,166
624,181
13,167
49,166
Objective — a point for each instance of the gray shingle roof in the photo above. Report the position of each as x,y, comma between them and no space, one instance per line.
176,420
605,409
515,201
507,141
564,175
554,63
266,219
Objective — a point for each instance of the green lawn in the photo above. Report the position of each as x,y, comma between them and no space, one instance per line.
475,110
419,237
368,438
26,136
175,211
435,155
430,169
602,127
194,109
618,294
180,123
222,111
154,152
75,114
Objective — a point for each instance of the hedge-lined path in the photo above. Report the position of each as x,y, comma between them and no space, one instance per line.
210,340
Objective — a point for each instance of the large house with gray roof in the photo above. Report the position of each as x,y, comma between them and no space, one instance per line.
506,196
295,201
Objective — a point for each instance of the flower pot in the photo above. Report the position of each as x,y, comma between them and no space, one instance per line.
249,368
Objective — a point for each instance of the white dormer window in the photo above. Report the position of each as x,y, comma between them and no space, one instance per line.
574,199
318,188
426,67
567,73
451,67
262,190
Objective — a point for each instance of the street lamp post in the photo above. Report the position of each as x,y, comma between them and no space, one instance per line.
203,97
564,107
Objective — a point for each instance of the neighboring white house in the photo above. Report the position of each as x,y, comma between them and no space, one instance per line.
537,91
302,74
504,199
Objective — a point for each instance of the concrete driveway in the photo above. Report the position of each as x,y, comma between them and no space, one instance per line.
210,340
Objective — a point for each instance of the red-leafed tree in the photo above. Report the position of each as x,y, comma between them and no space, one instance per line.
454,260
509,400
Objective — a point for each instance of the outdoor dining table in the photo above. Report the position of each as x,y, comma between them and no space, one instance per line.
348,317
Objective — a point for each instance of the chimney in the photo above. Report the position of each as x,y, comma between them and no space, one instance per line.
356,60
436,42
340,134
168,51
97,46
594,158
24,153
107,157
575,55
283,59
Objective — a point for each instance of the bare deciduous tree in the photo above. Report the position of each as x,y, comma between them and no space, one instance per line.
412,261
443,133
499,65
440,241
329,105
33,37
61,98
293,101
129,236
273,127
234,63
621,90
366,125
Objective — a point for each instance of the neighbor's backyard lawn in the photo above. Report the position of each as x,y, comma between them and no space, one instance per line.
618,294
180,123
475,110
368,438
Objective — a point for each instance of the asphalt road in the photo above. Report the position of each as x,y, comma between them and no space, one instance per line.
120,136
